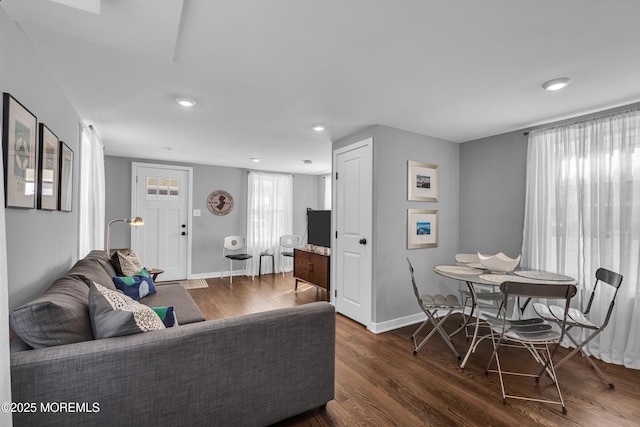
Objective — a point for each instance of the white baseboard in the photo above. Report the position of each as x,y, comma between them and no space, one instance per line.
215,274
401,322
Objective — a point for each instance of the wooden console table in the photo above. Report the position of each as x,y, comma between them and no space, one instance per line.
312,266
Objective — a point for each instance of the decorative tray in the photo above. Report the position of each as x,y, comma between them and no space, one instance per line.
475,265
543,275
499,278
458,269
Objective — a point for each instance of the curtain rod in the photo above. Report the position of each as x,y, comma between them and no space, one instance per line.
272,173
595,116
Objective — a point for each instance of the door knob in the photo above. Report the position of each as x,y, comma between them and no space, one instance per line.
363,241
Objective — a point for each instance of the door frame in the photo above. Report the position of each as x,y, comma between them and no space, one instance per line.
334,241
134,203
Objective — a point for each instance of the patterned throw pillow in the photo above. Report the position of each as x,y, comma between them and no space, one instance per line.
114,314
137,286
167,315
126,263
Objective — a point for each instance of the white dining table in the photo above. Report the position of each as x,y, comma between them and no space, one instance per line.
473,276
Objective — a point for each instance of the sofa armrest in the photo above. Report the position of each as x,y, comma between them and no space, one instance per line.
250,370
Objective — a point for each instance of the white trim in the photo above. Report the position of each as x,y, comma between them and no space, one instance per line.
218,274
400,322
134,201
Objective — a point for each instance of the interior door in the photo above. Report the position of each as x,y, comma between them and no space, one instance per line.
353,205
161,197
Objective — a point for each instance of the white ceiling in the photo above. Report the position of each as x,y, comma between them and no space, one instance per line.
263,72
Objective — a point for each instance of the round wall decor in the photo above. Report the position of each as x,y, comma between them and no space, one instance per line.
220,202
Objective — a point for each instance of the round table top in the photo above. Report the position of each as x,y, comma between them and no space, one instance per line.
485,277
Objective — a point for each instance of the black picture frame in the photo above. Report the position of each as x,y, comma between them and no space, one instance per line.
20,150
65,168
48,168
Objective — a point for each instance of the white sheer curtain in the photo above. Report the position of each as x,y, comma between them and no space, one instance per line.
91,199
327,192
583,212
269,214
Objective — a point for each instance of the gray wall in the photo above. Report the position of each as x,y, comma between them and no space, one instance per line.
492,194
393,297
207,230
42,244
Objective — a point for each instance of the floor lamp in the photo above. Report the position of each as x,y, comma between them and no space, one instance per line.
131,221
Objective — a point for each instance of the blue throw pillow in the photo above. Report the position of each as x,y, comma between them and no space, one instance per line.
167,315
137,286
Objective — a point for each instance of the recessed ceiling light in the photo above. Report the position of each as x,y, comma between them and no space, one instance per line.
556,84
186,102
307,162
318,127
168,149
255,159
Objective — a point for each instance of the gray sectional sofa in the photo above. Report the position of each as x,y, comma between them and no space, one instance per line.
251,370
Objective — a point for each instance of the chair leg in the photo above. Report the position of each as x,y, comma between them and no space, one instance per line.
580,348
437,327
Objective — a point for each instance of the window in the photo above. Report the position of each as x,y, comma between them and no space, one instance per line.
583,212
269,212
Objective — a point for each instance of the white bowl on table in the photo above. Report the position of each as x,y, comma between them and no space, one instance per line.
499,263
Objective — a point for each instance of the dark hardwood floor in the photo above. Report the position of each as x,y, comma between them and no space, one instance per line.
379,382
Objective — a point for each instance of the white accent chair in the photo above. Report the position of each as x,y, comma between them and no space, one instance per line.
234,249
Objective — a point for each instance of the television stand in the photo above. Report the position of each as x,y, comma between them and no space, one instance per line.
312,266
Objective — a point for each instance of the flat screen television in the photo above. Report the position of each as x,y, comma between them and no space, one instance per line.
319,228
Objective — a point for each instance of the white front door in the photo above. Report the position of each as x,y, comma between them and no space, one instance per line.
161,196
352,214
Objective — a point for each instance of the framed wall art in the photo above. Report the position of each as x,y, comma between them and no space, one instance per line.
220,202
48,165
20,154
65,195
422,228
422,182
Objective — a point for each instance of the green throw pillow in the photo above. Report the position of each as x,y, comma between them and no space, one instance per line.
167,315
114,314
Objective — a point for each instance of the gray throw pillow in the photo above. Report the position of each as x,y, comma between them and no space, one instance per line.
114,314
59,316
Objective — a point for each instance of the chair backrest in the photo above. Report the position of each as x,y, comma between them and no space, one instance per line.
413,282
465,258
539,290
610,278
234,243
290,241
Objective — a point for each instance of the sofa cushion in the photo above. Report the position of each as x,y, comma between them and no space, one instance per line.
167,315
98,254
114,314
92,271
59,316
174,294
126,263
136,287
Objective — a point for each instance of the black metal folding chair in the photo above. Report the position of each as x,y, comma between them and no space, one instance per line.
430,305
532,334
580,319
